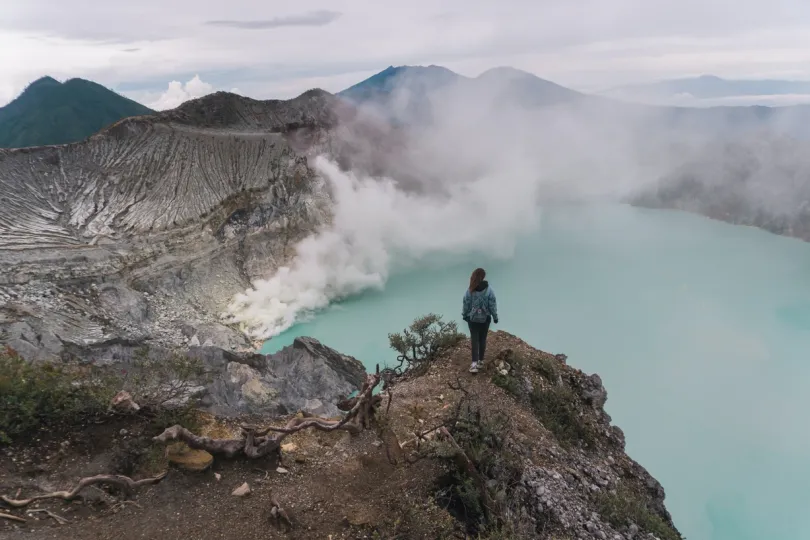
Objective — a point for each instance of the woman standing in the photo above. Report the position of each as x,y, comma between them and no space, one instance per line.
479,308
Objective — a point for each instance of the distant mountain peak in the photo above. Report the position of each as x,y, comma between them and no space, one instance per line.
49,112
47,80
506,71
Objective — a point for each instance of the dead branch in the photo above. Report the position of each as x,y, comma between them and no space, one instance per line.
422,436
12,518
59,519
464,463
258,443
227,447
347,404
459,386
127,484
390,399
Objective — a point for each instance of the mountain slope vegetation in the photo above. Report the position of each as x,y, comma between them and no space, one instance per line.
49,112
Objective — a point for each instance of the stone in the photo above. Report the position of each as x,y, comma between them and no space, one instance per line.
214,334
123,302
188,459
217,476
282,470
123,403
289,447
241,491
593,392
305,376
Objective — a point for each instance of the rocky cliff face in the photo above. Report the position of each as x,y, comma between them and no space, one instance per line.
147,230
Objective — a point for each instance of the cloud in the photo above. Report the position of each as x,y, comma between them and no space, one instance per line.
581,44
178,93
313,18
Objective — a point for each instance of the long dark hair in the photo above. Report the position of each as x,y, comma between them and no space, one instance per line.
476,278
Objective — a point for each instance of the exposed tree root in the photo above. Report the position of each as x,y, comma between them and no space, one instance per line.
12,518
257,443
59,519
128,485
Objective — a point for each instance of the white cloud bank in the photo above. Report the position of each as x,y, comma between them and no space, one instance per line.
178,93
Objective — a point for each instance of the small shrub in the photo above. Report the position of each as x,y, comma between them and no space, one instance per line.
625,507
547,368
167,387
423,341
166,380
483,440
507,382
556,408
33,396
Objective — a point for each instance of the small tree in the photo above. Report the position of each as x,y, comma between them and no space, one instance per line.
420,343
165,380
167,385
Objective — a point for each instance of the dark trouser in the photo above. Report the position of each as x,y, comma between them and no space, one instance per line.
478,339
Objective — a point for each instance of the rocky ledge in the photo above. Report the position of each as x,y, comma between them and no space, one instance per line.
523,450
305,376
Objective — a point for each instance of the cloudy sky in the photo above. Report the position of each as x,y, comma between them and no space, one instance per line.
161,52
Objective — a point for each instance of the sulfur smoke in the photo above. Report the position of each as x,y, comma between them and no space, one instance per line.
471,181
377,226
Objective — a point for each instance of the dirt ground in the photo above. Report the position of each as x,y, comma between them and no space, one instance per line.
336,485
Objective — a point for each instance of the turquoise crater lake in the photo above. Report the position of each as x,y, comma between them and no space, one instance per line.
699,329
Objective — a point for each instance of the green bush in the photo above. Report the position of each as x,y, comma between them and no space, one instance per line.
164,381
165,385
625,507
33,396
548,368
422,342
507,382
556,409
484,441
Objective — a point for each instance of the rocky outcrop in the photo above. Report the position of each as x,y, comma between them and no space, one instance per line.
305,376
536,430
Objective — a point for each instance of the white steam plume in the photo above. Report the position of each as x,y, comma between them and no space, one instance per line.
471,178
376,226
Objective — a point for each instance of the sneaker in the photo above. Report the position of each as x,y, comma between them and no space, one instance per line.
474,367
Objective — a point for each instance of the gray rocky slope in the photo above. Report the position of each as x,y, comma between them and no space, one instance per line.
145,231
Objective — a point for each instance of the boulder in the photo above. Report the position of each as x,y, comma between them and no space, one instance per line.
123,302
33,344
214,335
123,402
593,392
306,376
188,459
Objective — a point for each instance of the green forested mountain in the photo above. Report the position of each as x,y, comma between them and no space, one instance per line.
50,112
